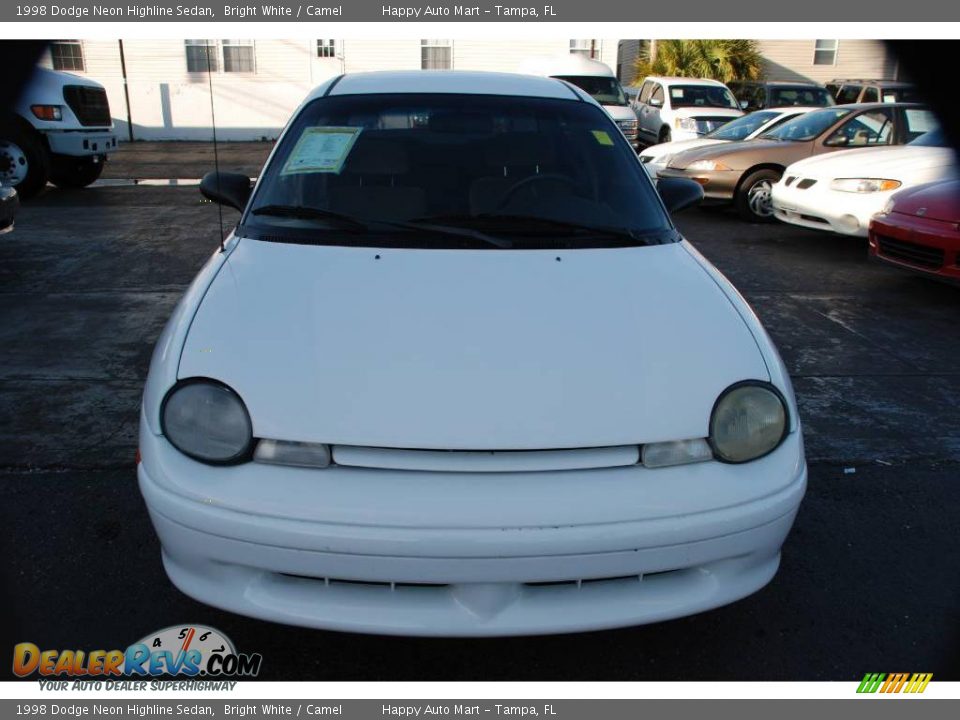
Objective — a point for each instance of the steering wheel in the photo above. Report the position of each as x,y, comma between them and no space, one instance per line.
533,180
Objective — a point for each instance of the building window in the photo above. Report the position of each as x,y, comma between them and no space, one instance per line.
238,56
587,48
235,56
436,54
202,56
326,48
67,55
825,52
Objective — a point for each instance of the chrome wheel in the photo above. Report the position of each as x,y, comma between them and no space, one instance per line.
14,166
758,199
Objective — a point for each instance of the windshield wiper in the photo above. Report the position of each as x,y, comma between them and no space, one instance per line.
349,222
529,224
302,212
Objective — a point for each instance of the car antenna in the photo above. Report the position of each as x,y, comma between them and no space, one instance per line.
216,155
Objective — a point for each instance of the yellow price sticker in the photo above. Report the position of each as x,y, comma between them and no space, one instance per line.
602,137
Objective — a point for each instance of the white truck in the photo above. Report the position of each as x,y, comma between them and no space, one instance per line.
59,130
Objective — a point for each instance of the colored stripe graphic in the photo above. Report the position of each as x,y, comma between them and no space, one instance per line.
894,682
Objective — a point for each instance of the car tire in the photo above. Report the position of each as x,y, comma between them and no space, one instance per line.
24,161
664,136
753,196
75,172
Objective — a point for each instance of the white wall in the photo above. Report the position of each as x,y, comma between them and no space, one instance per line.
169,103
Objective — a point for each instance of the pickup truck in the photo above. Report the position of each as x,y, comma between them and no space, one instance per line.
59,130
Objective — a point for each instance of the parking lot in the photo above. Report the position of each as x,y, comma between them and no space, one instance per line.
870,579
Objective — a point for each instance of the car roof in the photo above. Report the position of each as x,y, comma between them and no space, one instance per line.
783,83
449,81
871,105
671,80
860,81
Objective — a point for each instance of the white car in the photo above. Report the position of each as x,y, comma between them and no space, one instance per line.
675,108
841,191
455,372
748,127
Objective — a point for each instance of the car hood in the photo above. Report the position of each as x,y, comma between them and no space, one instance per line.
470,349
702,111
900,162
671,148
938,201
745,153
620,112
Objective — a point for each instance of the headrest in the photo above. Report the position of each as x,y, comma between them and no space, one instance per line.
377,156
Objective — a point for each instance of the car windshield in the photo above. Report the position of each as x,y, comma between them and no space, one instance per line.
605,90
934,138
740,128
702,96
447,170
807,126
800,96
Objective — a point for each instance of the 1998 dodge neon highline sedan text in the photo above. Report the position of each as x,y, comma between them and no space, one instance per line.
455,372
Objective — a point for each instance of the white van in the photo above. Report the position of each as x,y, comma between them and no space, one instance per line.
596,79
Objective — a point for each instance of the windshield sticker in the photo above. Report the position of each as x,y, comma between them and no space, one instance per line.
920,121
676,93
321,150
602,137
889,98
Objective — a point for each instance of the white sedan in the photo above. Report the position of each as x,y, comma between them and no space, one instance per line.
455,372
748,127
841,191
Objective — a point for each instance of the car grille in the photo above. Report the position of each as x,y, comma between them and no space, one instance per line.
89,104
920,255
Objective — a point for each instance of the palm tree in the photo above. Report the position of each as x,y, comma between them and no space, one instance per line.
723,60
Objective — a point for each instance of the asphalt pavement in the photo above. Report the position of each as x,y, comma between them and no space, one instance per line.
870,579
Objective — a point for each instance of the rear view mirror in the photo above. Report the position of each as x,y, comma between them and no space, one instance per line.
9,204
230,189
679,193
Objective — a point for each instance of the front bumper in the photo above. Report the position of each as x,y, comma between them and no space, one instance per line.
82,143
919,244
718,185
821,208
468,554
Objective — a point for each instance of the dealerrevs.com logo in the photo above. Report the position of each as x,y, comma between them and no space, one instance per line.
184,650
886,683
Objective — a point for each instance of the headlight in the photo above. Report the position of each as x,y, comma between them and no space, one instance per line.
864,185
47,112
749,420
709,165
206,420
685,123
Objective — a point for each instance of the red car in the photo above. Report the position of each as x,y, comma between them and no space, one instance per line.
919,230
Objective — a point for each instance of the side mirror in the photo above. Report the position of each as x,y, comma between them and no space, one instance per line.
655,102
679,193
230,189
9,204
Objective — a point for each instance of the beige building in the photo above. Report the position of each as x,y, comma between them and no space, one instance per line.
161,89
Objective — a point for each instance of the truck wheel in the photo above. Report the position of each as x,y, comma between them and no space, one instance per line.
74,172
24,162
753,198
664,136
